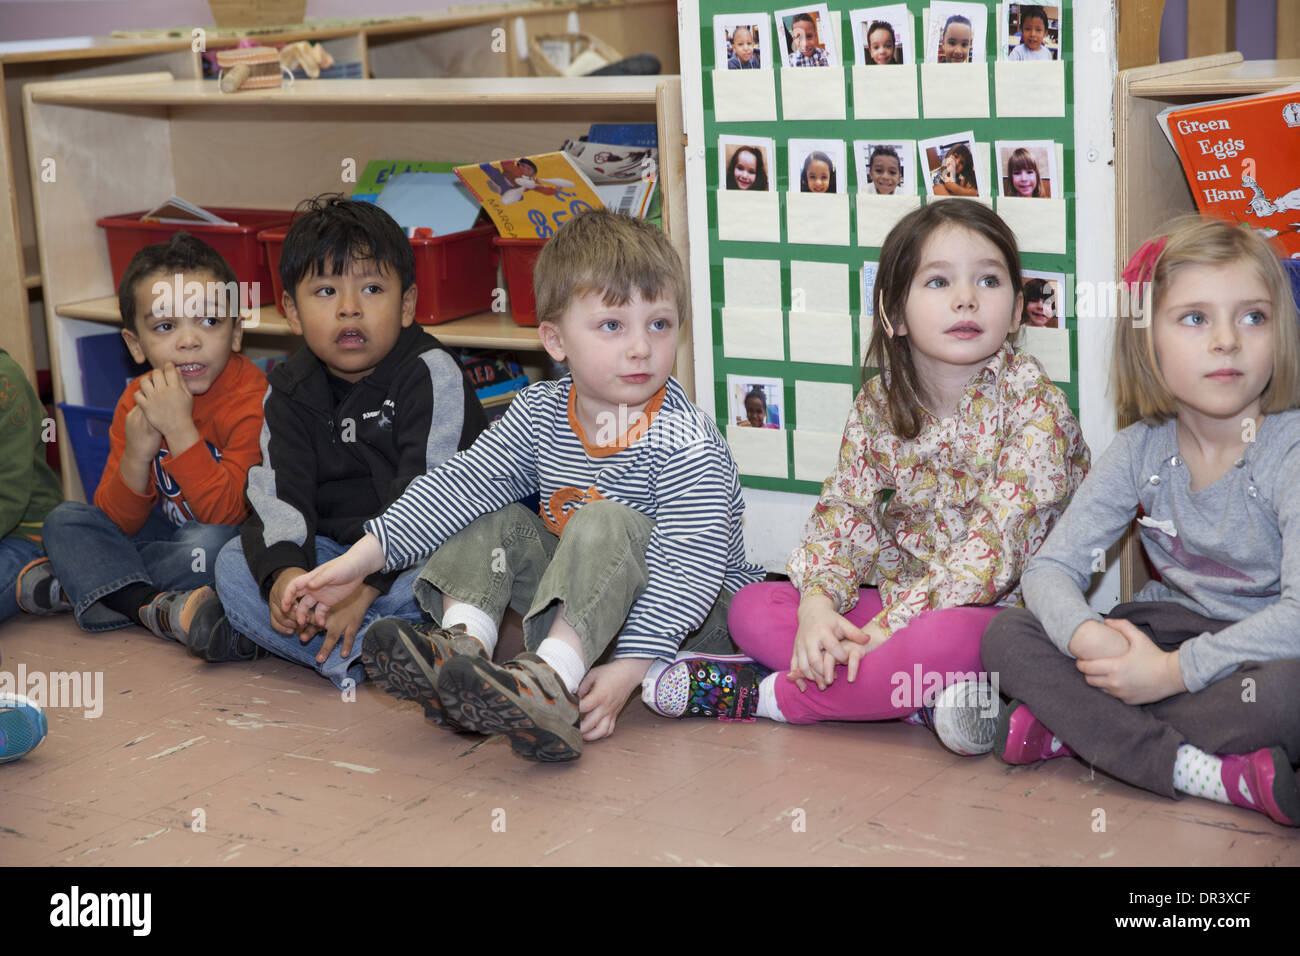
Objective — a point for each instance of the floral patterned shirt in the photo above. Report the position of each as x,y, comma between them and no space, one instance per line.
974,497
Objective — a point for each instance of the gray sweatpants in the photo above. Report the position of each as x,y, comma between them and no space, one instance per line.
1257,705
509,558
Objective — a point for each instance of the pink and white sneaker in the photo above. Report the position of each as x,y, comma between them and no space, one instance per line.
1022,738
1263,781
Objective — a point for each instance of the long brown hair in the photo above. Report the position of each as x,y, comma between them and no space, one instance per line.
900,257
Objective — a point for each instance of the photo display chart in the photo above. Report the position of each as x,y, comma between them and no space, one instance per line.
809,166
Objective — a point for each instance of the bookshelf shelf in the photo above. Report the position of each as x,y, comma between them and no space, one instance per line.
488,330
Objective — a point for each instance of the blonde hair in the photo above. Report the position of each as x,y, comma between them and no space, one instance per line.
602,252
1140,389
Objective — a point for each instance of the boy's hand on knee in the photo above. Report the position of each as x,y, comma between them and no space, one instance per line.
282,618
344,620
604,692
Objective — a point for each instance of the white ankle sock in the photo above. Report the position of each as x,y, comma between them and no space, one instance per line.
564,660
477,624
1199,774
652,673
767,706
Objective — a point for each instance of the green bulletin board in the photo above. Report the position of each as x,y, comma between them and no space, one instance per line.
1006,86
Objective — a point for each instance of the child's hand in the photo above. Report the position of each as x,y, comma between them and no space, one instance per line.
169,406
817,642
143,441
343,621
1143,675
332,582
604,692
282,619
873,637
1094,639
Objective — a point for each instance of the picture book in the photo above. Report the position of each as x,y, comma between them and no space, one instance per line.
1242,161
177,210
425,196
623,176
532,196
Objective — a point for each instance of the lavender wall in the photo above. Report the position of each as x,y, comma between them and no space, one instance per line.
39,19
1256,20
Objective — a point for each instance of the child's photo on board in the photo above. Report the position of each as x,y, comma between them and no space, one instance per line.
1028,168
1042,298
817,166
755,401
741,41
808,34
746,163
1031,31
957,32
950,168
885,167
882,36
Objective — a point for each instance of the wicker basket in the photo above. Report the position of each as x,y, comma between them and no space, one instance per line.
572,44
257,13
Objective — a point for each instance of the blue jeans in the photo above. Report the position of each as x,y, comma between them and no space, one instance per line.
250,615
93,557
15,554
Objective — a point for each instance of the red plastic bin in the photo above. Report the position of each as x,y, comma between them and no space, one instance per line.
456,274
518,257
238,245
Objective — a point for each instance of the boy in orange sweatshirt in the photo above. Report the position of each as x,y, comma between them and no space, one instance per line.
182,440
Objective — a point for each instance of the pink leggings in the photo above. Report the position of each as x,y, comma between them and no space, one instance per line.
763,622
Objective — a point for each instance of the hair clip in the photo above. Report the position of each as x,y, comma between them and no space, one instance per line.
1142,267
889,329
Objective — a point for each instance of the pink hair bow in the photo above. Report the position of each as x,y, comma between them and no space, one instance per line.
1142,266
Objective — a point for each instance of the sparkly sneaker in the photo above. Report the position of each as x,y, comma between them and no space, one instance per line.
709,685
525,699
1021,738
37,589
22,726
406,659
966,717
1263,781
207,631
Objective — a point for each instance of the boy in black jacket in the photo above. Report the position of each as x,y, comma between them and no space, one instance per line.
370,403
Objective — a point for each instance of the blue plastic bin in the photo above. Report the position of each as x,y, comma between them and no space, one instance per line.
106,369
87,432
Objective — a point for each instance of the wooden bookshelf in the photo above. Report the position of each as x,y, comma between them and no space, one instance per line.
487,40
118,141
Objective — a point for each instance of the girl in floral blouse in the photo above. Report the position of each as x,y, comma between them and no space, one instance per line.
957,459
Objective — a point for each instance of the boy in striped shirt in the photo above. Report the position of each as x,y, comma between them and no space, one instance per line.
625,576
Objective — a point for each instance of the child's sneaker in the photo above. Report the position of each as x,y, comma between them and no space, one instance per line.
22,726
208,634
406,660
709,685
37,589
965,717
1263,781
170,613
1022,738
525,699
